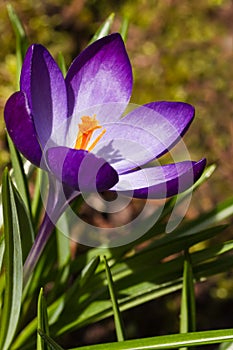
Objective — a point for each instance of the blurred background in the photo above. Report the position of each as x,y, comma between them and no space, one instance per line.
179,50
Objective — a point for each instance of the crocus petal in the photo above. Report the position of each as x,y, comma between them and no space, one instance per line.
160,181
44,85
144,134
125,146
81,170
100,74
20,127
166,121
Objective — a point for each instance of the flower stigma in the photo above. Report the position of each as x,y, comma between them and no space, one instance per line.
86,129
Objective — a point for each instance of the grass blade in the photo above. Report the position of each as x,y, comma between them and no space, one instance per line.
2,250
25,224
188,311
226,346
13,265
221,212
49,341
124,28
116,310
19,174
89,270
63,251
56,308
42,321
104,29
133,291
21,39
62,63
63,242
168,342
37,205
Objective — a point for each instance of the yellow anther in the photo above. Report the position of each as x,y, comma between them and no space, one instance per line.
86,129
88,124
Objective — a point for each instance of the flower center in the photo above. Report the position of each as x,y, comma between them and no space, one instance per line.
86,129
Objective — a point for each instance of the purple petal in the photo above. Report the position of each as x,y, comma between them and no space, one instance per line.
144,134
124,146
100,74
166,121
81,170
20,127
44,85
161,181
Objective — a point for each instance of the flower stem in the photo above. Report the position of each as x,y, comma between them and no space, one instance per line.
59,197
41,240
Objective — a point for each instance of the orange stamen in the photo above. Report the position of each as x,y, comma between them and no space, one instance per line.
86,129
94,143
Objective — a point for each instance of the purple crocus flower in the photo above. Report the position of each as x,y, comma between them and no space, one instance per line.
48,109
73,128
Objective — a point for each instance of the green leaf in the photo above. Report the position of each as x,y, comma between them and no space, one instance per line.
104,29
89,270
44,270
41,182
124,28
49,341
71,312
75,291
168,341
188,310
42,320
212,251
174,204
218,265
176,242
19,174
13,265
21,40
25,224
221,212
57,307
132,289
226,346
158,228
116,310
208,171
62,63
63,242
63,251
2,250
